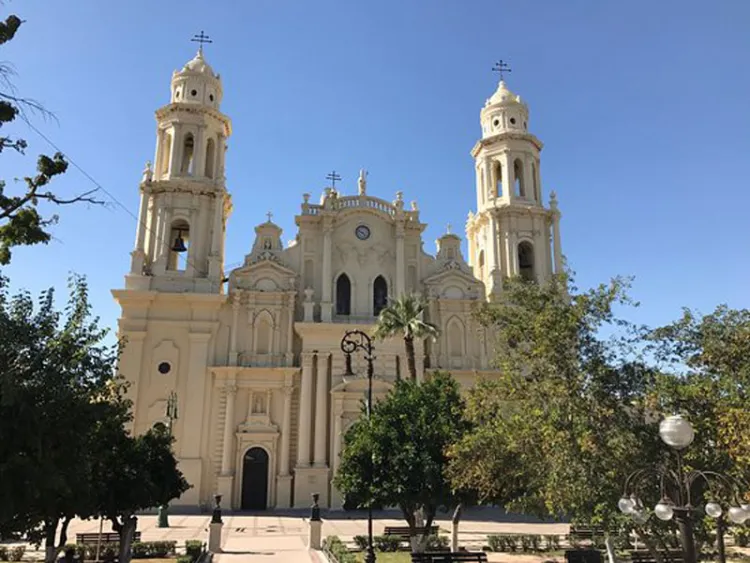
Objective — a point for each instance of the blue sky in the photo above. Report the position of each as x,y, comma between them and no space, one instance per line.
642,107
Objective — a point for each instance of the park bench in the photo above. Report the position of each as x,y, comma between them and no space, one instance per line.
645,556
449,557
582,532
107,537
403,531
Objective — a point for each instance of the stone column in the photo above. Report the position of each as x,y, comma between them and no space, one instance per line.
157,152
140,233
557,243
286,431
326,305
174,151
227,448
192,247
508,254
528,179
514,252
321,413
400,259
305,410
199,154
539,254
214,266
233,334
508,176
200,238
338,414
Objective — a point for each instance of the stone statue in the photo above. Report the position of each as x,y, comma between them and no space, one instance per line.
148,173
362,182
309,294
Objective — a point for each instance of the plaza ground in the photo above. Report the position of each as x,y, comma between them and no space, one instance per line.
281,536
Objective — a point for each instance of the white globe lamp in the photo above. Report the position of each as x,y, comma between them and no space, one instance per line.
676,432
737,515
626,505
664,510
713,509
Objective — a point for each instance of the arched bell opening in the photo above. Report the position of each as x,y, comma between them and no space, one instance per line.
526,261
188,155
210,158
519,183
179,245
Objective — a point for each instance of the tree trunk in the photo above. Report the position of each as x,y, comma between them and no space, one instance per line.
126,530
411,361
454,528
422,540
609,543
50,533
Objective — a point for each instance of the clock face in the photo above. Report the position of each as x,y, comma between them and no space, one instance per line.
362,232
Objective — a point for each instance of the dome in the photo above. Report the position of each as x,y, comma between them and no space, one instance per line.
503,96
198,64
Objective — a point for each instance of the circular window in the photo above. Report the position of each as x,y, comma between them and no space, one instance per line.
211,97
513,120
164,368
496,122
193,93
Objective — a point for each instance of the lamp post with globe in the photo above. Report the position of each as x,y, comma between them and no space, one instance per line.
676,487
162,519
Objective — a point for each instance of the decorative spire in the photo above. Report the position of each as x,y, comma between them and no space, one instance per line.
362,181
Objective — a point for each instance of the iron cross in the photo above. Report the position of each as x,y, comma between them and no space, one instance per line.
500,67
333,177
201,38
269,215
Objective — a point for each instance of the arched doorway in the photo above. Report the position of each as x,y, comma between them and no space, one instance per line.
379,295
255,479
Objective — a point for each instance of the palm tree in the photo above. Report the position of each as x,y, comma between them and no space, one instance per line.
404,317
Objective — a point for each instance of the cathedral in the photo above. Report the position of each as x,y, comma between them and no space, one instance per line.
249,361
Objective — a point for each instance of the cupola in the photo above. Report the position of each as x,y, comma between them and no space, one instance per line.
197,83
504,111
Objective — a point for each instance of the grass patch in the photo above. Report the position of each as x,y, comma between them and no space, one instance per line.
392,557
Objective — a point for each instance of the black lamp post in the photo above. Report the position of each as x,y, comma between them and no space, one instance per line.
676,486
163,514
353,341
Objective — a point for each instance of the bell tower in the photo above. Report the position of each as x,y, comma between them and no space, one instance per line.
184,202
511,232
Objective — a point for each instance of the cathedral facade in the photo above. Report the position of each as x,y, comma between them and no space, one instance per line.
252,357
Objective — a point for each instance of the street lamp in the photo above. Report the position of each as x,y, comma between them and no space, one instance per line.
163,514
353,341
676,490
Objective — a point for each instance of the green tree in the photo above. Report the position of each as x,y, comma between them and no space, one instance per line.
56,384
405,317
398,457
558,432
131,474
21,222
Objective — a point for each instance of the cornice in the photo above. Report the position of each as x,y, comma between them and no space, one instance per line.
175,107
506,136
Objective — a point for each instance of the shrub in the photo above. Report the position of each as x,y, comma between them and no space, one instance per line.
552,542
387,543
437,543
361,542
336,547
193,548
742,537
184,559
511,542
3,553
526,543
16,552
153,549
496,542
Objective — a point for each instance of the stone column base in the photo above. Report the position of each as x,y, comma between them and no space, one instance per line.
309,480
214,537
284,491
326,312
226,487
313,538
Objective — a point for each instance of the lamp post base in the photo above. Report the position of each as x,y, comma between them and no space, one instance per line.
162,519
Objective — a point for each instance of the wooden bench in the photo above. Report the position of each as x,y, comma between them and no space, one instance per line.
645,556
107,537
449,557
403,531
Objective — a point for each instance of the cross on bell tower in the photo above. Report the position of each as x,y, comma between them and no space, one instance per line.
201,39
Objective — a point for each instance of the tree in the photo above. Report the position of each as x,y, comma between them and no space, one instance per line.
404,317
21,222
398,456
558,432
133,474
57,383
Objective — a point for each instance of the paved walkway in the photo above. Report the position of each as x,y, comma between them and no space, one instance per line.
281,536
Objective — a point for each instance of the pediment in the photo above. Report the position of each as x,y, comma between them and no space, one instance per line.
454,284
266,276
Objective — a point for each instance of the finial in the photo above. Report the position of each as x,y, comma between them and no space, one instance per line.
201,39
414,206
501,67
448,229
553,199
333,177
362,181
269,215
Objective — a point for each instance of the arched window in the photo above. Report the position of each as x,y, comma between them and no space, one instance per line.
455,339
159,427
188,154
263,328
309,274
179,245
537,196
210,158
526,261
165,154
343,295
497,179
519,184
481,265
379,295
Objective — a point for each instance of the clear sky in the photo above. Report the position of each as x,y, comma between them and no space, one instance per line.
642,106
